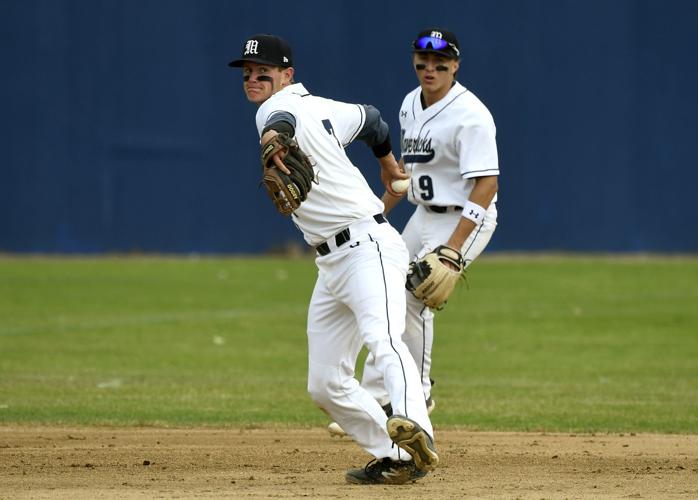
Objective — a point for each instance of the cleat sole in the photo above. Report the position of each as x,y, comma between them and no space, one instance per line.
410,437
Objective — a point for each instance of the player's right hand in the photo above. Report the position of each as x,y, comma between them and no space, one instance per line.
391,171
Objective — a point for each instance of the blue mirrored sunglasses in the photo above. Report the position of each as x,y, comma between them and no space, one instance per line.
433,43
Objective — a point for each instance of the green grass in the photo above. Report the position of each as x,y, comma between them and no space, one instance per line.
558,344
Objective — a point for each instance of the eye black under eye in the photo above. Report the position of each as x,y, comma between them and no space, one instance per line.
439,67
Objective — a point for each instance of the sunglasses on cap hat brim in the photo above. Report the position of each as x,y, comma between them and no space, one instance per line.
431,43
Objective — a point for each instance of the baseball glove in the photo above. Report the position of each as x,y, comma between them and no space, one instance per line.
431,280
287,191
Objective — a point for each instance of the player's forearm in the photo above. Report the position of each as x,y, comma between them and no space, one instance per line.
482,195
460,233
484,190
390,201
388,163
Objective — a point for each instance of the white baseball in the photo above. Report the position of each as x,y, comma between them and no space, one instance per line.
400,185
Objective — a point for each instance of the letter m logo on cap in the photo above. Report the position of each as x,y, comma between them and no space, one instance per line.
251,47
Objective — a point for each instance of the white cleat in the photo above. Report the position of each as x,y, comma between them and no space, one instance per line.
335,430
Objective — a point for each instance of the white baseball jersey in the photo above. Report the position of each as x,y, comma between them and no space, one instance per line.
324,127
359,295
446,146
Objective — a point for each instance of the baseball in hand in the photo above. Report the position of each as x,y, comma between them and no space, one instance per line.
400,185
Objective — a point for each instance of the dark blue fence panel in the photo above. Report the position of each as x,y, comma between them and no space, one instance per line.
123,130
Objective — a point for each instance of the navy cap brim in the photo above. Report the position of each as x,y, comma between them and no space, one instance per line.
239,63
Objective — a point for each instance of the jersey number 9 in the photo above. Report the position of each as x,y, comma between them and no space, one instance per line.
426,187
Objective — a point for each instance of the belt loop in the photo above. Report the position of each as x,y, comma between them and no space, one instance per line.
344,235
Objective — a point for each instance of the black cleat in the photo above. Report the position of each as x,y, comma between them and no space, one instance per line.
418,474
384,471
409,436
388,409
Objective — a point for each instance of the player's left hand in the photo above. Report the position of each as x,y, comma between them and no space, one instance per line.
277,156
433,277
287,187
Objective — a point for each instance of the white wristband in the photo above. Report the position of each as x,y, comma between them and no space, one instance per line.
474,212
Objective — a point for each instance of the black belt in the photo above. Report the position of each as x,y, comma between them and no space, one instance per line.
343,236
442,210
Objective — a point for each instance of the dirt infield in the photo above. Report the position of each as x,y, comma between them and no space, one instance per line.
81,463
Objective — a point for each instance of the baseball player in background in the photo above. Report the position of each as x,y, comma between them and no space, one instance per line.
450,152
362,261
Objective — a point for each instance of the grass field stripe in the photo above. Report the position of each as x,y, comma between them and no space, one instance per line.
545,343
66,324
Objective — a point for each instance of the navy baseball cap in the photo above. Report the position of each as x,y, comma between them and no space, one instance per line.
265,49
437,41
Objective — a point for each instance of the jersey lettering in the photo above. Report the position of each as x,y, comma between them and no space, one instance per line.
328,126
330,130
417,149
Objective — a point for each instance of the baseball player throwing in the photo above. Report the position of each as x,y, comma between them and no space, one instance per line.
362,261
450,152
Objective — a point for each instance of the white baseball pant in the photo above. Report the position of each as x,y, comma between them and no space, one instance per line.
425,231
359,300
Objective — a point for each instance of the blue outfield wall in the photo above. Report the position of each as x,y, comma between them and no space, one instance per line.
123,130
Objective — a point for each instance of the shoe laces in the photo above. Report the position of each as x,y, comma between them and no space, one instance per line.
376,467
372,466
